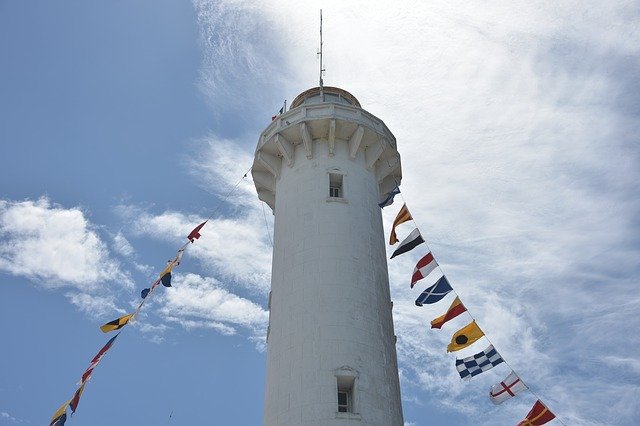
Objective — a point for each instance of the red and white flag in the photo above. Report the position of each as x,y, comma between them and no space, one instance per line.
424,267
506,389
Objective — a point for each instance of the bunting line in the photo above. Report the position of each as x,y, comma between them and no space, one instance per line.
453,311
60,416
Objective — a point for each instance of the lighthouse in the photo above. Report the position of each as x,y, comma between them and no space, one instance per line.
323,166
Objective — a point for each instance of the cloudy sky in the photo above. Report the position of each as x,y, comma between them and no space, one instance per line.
125,124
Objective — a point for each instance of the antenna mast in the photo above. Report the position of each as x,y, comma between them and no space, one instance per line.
320,53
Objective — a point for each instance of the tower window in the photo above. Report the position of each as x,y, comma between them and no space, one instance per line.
335,185
344,401
345,393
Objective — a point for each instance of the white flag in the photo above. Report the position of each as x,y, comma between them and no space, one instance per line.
506,389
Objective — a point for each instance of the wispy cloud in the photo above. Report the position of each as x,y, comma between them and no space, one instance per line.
6,417
122,246
517,124
202,302
236,247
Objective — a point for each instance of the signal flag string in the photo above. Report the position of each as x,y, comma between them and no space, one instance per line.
60,416
467,309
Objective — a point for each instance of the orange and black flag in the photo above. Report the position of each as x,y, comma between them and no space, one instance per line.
403,216
465,337
454,310
116,324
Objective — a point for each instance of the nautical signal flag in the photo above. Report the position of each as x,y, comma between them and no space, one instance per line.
538,415
506,389
96,359
454,310
424,267
464,337
403,216
478,363
434,293
412,241
76,399
60,416
116,324
195,234
165,276
166,279
389,200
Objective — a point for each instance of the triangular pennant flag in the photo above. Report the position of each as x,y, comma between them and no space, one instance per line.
96,359
538,415
424,267
454,310
116,324
195,234
403,216
389,199
464,337
76,399
145,292
412,241
59,421
506,389
434,293
60,416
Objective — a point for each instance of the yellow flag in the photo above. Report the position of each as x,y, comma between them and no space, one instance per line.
116,324
402,217
61,411
167,270
465,337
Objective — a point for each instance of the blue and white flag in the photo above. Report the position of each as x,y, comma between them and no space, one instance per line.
478,363
434,293
389,200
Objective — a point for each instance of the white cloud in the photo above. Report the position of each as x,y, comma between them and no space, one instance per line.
96,306
237,247
8,417
517,124
55,246
122,246
201,302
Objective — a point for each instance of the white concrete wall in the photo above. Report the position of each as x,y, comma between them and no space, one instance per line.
330,302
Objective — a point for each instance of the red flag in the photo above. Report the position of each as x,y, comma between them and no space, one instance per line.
538,415
454,310
76,399
96,359
402,217
424,267
195,234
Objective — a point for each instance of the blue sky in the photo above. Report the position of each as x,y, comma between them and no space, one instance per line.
123,124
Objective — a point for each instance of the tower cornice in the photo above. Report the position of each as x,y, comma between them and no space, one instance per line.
308,123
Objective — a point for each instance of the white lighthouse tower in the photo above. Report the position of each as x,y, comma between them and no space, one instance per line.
323,167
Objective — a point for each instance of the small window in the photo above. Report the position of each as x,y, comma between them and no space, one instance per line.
335,185
344,401
345,394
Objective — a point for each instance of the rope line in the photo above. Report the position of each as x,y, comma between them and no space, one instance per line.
468,311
